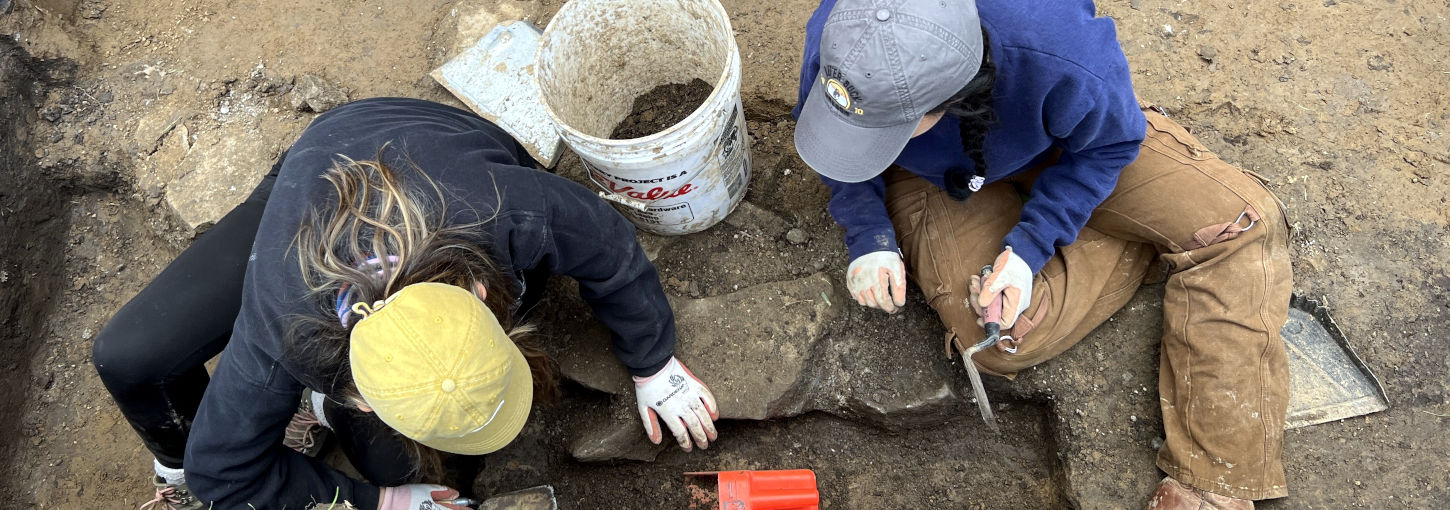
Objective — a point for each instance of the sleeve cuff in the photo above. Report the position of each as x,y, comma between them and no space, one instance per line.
881,240
650,370
1029,248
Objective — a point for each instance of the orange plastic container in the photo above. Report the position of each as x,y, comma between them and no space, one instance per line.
792,489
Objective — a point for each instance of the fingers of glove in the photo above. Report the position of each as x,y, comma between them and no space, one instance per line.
987,295
708,400
706,396
996,281
876,298
651,424
680,431
444,495
696,428
974,289
882,290
440,492
415,496
898,285
1011,297
706,420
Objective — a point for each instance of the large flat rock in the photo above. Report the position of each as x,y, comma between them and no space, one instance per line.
203,168
219,172
750,346
767,351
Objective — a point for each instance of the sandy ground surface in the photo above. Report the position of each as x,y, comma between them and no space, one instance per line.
1340,104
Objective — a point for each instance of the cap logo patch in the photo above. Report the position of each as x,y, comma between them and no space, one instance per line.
837,92
840,91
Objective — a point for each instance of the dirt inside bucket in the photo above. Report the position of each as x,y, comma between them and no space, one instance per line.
662,107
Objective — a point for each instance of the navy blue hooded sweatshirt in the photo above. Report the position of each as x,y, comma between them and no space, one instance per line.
539,222
1062,83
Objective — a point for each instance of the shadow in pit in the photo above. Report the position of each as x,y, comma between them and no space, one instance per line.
31,212
955,464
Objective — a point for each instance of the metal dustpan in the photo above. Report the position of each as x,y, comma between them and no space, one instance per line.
495,78
1327,380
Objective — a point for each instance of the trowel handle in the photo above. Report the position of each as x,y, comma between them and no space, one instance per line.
994,312
992,321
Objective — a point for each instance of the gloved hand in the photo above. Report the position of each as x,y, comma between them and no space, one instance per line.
878,280
1011,279
684,402
417,496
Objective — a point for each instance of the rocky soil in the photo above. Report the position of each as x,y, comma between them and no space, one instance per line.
129,127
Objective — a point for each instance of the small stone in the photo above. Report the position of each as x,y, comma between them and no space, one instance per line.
92,9
1379,63
314,94
1207,53
274,87
797,236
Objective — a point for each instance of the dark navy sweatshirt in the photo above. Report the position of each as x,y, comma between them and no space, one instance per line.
1062,83
535,221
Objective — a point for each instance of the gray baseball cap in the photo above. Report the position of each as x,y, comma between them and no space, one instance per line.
884,64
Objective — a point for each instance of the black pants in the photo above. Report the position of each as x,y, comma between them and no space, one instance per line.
151,354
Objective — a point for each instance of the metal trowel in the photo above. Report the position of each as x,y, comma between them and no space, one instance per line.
992,323
533,498
1327,380
495,78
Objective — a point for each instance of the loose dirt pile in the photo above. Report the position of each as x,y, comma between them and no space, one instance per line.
662,107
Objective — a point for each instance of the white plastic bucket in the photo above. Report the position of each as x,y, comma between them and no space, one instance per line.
597,56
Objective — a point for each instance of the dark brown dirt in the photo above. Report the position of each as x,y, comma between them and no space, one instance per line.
856,466
27,280
662,107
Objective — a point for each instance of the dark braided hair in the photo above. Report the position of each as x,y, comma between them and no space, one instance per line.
972,105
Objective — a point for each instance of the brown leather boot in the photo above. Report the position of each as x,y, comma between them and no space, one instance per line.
1174,495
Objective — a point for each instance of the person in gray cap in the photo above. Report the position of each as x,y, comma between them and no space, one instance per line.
956,135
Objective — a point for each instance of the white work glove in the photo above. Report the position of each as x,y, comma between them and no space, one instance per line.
1011,279
417,496
878,280
684,402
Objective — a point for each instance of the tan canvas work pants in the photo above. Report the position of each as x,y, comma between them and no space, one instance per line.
1220,234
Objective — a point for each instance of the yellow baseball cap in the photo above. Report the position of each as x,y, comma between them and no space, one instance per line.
435,365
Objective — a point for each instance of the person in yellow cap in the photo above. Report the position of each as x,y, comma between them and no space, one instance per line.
385,266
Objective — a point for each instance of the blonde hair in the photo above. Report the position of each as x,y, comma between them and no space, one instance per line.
379,236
